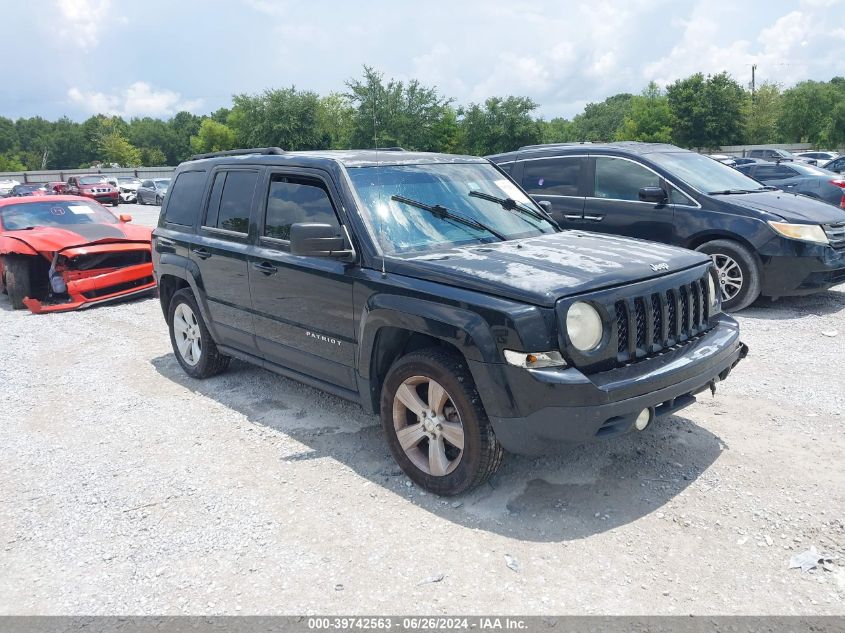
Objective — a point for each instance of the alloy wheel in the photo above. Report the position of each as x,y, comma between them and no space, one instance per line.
187,333
428,426
729,275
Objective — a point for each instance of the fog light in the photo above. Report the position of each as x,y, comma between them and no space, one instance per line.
643,419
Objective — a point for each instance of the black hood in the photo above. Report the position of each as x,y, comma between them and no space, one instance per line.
791,207
541,270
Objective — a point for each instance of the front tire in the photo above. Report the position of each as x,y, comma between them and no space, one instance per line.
192,343
18,275
435,425
158,201
737,271
139,199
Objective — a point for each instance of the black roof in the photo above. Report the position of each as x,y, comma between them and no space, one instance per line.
347,158
633,147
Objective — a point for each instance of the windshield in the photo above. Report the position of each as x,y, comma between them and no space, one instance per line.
91,180
163,183
17,217
703,173
402,227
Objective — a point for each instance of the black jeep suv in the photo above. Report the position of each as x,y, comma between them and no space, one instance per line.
431,289
762,240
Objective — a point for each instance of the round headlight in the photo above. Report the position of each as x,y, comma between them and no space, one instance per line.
584,326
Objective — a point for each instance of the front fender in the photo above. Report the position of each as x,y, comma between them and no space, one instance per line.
14,246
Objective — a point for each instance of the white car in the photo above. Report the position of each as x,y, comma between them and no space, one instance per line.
818,158
6,186
128,187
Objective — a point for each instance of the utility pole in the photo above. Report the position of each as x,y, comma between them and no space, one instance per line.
753,82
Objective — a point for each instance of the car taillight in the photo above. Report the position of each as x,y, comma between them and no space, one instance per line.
842,202
839,182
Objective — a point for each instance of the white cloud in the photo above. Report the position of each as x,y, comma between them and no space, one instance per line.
139,99
82,20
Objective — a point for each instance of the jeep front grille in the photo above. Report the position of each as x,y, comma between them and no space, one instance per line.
649,324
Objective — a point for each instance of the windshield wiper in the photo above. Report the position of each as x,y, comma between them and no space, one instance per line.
509,204
764,188
439,211
727,192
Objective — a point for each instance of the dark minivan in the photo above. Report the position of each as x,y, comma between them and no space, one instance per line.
763,241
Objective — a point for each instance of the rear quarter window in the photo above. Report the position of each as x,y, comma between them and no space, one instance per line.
183,203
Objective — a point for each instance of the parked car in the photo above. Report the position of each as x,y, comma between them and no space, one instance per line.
762,241
152,191
29,189
730,161
819,157
800,178
93,186
6,186
56,187
128,186
61,253
837,165
744,160
771,155
431,289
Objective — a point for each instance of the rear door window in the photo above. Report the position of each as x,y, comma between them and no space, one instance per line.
773,172
231,200
553,176
621,179
185,199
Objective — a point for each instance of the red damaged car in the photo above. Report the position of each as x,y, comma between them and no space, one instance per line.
65,252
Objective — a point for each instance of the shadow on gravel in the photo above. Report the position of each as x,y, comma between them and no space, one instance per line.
823,303
590,489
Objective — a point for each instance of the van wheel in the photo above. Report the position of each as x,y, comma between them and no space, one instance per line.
18,280
192,343
435,424
737,271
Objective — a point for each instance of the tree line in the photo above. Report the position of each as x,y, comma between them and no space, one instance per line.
702,112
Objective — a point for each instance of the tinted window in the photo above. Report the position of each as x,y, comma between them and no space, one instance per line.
293,200
554,176
186,197
677,197
147,183
232,213
773,172
619,179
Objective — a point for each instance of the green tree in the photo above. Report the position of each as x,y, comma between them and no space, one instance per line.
285,118
148,133
806,113
601,121
500,125
153,157
9,140
393,113
184,125
213,137
10,162
650,119
557,130
836,127
763,112
335,121
114,148
707,111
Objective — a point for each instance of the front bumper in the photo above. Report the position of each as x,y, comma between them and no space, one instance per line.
819,269
563,406
111,198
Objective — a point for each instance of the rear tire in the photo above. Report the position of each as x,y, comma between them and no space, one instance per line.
158,201
138,199
18,280
192,343
432,430
737,271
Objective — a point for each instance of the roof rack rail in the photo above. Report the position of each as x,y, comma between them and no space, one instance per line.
239,152
542,145
389,149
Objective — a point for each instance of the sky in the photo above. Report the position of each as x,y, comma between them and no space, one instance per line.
156,57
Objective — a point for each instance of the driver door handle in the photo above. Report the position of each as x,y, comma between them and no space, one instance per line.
572,216
594,218
202,253
265,267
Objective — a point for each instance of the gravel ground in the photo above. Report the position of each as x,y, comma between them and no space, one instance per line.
128,488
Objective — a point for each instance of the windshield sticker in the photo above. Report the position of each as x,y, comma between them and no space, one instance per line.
57,210
511,190
80,209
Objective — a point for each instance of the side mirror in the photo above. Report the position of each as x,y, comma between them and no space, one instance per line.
653,194
546,205
125,217
317,240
